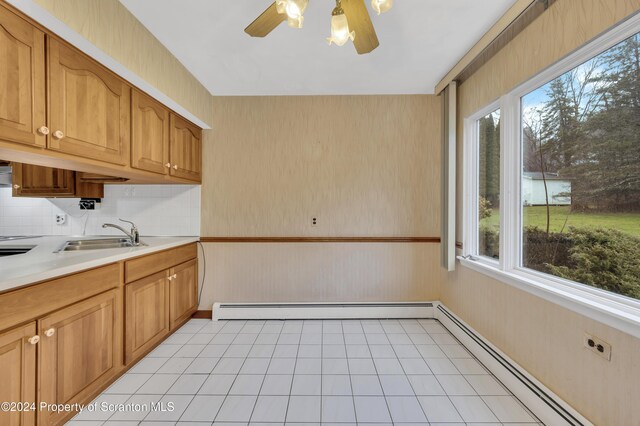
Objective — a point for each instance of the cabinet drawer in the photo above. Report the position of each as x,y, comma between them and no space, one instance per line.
146,265
25,304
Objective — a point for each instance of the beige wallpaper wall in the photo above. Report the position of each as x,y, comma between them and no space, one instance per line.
364,166
320,272
543,337
108,25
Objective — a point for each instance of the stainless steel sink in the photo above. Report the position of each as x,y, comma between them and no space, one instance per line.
96,244
13,250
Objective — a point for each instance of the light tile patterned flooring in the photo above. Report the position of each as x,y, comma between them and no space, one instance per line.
306,373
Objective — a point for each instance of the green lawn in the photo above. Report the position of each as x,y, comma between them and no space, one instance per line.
537,216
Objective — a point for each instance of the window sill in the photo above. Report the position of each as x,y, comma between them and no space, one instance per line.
620,314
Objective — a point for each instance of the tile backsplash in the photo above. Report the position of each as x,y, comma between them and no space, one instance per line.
156,210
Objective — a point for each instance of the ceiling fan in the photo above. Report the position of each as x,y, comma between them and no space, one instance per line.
349,21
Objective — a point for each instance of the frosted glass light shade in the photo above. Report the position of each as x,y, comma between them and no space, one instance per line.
294,10
340,30
381,6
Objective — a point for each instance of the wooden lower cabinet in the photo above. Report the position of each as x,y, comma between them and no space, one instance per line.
62,341
18,373
183,292
147,319
78,349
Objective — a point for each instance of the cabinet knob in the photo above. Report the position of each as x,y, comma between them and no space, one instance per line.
50,332
58,134
34,339
168,165
170,277
43,130
175,167
175,276
16,186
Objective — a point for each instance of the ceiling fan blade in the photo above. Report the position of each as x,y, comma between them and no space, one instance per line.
359,21
266,22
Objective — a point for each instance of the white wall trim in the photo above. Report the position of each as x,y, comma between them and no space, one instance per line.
282,311
46,19
522,384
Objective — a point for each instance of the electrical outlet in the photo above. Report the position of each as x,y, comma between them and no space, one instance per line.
314,221
597,346
61,219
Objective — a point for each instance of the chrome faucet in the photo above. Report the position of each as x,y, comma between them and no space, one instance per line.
134,235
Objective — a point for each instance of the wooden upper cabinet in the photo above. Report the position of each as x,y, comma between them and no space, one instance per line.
185,149
18,373
22,81
183,292
149,134
77,352
38,181
89,107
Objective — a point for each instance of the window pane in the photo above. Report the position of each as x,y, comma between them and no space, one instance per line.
581,173
489,184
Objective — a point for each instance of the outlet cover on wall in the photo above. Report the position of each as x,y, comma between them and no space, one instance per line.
597,346
61,218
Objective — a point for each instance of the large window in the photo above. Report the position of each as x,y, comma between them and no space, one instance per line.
581,173
561,212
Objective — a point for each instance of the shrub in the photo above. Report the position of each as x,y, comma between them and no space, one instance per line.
489,241
484,208
602,258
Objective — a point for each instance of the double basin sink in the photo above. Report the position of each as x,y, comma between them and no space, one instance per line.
95,244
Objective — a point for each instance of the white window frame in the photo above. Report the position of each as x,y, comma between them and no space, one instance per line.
470,240
620,312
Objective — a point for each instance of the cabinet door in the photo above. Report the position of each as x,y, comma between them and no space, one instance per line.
183,292
185,149
146,313
18,373
89,107
77,352
149,134
38,181
22,93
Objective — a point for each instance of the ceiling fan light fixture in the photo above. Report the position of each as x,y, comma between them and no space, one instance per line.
381,6
295,22
340,27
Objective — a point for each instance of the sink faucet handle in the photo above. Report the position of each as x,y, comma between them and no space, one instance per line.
133,225
135,235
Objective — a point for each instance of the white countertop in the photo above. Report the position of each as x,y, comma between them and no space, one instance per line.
41,263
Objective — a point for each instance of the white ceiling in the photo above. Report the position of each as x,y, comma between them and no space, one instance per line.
420,40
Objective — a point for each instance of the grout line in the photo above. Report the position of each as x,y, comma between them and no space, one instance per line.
353,397
179,375
384,396
402,366
196,393
435,376
488,371
239,369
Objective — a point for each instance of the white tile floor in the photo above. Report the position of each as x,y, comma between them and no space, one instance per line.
369,372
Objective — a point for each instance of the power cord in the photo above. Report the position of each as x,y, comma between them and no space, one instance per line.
204,272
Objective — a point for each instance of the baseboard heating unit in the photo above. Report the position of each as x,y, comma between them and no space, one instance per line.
545,404
230,311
